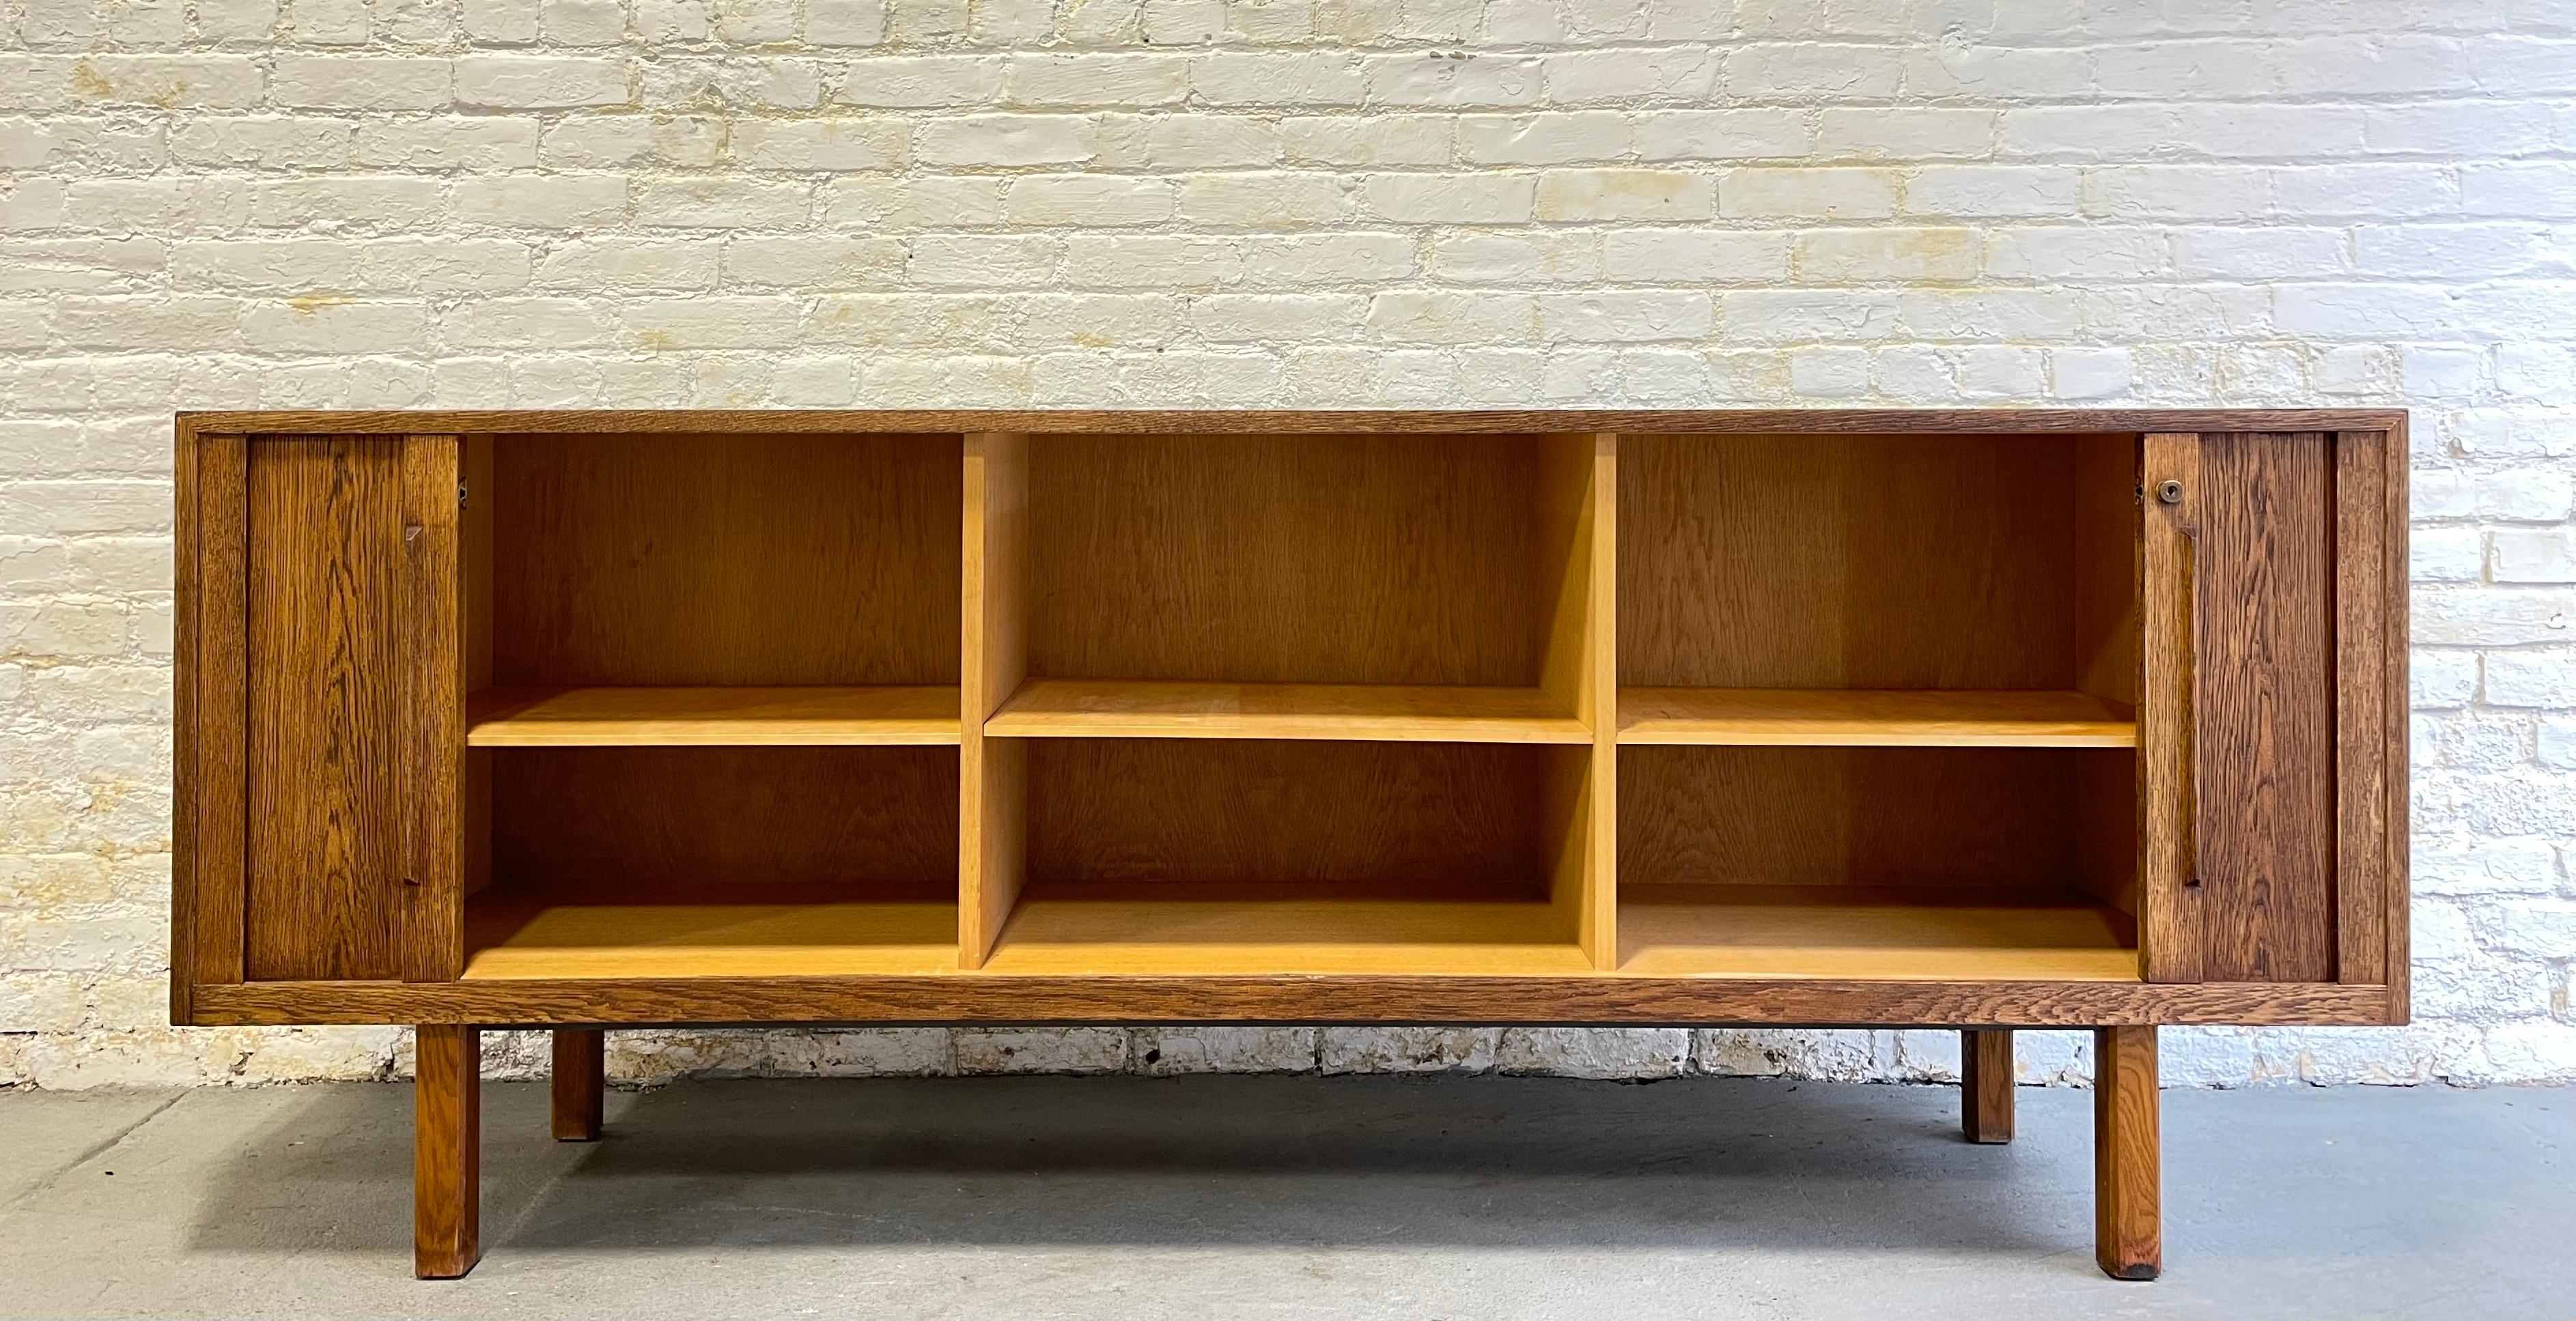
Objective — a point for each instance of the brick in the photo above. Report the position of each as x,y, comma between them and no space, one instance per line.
542,82
1565,195
1722,135
1879,256
360,82
1543,139
1452,316
1626,315
1451,80
1299,79
811,261
1265,200
1882,134
1096,80
1074,199
169,81
1625,77
1823,193
462,143
1328,259
542,201
1712,256
828,144
1184,141
1006,140
1805,70
722,203
921,81
599,264
1452,198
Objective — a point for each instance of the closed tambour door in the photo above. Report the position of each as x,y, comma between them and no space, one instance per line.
2272,718
320,722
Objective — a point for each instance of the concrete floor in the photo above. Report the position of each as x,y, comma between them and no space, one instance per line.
1285,1197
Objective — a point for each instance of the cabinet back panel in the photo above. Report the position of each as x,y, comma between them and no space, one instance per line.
2265,706
1987,819
1866,561
324,572
1397,820
1317,559
658,824
733,559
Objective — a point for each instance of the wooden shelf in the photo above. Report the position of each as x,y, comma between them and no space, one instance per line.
1199,931
710,716
1834,717
1098,708
1786,931
523,939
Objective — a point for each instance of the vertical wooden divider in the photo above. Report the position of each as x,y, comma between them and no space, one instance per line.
2168,806
432,915
2370,685
992,825
1581,675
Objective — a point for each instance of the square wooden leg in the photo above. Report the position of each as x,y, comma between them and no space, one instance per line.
1986,1084
447,1151
580,1082
2128,1216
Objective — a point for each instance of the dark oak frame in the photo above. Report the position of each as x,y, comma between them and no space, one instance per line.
2365,520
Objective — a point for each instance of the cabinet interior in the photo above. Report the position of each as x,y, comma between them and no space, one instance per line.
1303,704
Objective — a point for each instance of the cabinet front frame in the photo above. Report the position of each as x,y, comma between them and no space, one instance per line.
2367,520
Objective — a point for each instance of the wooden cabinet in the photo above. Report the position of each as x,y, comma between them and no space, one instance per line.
1982,720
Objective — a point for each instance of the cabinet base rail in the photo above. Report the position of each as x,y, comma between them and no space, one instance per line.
448,1135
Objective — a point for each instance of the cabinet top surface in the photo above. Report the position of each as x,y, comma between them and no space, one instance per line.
1967,420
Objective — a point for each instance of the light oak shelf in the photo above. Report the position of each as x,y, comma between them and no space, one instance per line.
712,716
1234,931
1099,708
535,938
1799,931
1831,717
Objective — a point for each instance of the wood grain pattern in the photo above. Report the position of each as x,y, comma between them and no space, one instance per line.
993,787
2396,841
1907,816
1581,501
1176,813
1127,708
1235,930
2169,907
2368,579
2128,1193
1602,999
580,1083
210,821
327,753
1757,421
672,559
620,822
1845,717
447,1150
1906,562
712,717
431,728
1288,559
2263,703
769,931
1793,931
1986,1085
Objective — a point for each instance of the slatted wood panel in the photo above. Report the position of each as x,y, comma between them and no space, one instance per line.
326,587
2264,708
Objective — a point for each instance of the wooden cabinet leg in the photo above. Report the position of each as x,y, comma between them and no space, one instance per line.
580,1082
447,1151
1986,1084
2128,1215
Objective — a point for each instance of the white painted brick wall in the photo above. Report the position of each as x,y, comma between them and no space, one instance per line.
1283,203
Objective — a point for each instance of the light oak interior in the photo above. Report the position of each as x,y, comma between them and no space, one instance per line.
1527,705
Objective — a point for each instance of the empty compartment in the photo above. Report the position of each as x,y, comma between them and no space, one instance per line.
819,572
1279,856
1906,862
1858,590
1304,587
715,861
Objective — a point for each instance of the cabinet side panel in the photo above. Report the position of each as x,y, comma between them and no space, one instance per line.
2370,565
326,589
2265,707
208,817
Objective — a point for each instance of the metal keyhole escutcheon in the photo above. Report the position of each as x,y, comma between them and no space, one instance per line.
2169,491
